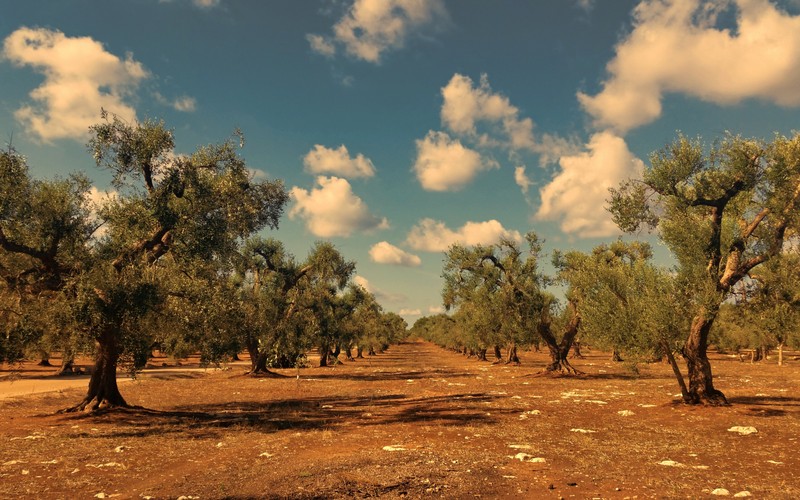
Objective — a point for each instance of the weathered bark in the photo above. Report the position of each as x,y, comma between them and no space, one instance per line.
324,350
103,389
348,352
616,357
512,357
359,352
44,359
559,351
701,380
371,351
576,350
67,364
498,355
780,354
482,354
675,370
334,356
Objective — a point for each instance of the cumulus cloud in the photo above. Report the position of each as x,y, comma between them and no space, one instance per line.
81,77
381,295
466,105
386,253
678,46
332,209
444,164
435,309
577,195
322,160
372,27
430,235
206,4
522,180
321,45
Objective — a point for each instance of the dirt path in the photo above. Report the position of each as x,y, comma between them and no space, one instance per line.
414,422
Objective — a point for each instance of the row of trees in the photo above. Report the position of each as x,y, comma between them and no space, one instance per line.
172,259
730,215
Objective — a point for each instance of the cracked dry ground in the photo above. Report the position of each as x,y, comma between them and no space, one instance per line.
415,421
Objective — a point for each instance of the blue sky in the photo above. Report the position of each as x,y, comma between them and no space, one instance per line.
402,126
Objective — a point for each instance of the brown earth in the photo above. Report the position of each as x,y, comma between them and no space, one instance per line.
415,421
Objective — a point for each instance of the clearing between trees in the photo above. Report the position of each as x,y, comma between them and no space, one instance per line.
415,421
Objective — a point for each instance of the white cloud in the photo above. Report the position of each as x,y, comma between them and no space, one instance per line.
81,77
386,253
522,179
381,295
466,105
372,27
444,164
321,45
585,5
333,209
577,195
185,104
435,309
410,312
95,198
430,235
677,46
322,160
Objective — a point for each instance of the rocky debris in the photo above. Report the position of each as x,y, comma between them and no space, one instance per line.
394,447
721,492
744,431
625,413
583,431
743,494
524,457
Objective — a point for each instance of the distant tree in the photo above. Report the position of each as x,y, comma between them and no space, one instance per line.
722,212
524,307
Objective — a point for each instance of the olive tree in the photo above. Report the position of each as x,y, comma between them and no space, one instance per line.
722,211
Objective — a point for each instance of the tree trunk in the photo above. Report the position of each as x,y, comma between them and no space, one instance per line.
44,359
334,356
67,364
576,350
615,356
324,349
258,358
560,351
498,356
349,353
780,354
359,352
371,351
103,389
482,354
701,380
512,355
676,370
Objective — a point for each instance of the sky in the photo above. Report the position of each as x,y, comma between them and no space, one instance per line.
400,127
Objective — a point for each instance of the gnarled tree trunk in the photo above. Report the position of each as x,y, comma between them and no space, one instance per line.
560,351
512,357
103,389
701,380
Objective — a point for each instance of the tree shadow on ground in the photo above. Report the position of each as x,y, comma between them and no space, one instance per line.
317,413
768,406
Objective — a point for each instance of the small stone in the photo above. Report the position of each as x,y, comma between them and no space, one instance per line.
720,492
743,494
744,431
625,413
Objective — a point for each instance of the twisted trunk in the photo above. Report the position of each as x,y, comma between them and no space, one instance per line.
103,389
701,381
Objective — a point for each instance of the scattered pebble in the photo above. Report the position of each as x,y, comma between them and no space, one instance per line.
774,462
671,463
596,401
520,446
120,449
583,431
524,457
394,447
743,494
744,431
265,454
721,492
625,413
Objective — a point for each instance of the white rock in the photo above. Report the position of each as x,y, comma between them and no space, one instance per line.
394,447
120,449
670,463
583,431
100,495
721,492
524,457
596,401
520,446
774,462
265,454
743,494
744,431
625,413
